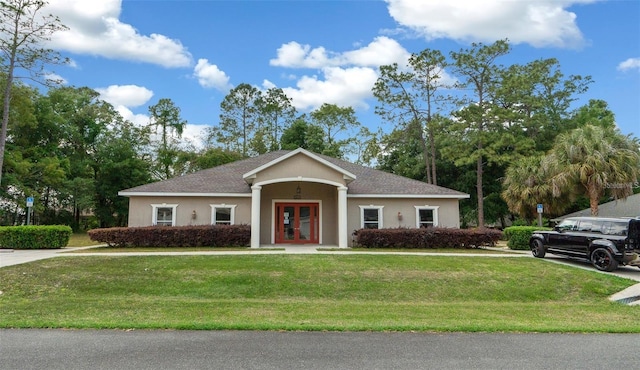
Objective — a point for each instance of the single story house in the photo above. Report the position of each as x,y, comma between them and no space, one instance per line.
294,197
627,207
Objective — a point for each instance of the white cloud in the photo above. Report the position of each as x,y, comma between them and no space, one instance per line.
345,78
209,75
56,79
94,28
538,23
630,64
295,55
343,87
266,85
382,50
136,118
126,95
194,134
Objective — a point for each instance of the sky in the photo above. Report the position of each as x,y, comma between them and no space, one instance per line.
136,52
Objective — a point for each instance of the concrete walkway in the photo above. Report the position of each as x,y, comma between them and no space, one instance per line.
629,296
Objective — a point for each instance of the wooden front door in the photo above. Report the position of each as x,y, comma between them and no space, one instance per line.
297,223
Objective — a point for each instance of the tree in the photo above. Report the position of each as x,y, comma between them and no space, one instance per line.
593,160
533,101
238,119
166,115
596,112
408,97
34,163
275,114
80,118
475,128
23,31
192,161
302,134
402,154
526,184
336,123
118,166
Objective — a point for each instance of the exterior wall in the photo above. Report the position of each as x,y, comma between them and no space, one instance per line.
141,211
326,195
448,212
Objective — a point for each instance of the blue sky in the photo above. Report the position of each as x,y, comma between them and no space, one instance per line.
135,52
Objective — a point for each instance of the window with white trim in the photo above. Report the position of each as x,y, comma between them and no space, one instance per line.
164,214
426,216
371,217
223,214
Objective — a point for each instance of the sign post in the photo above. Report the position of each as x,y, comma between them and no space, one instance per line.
29,205
540,209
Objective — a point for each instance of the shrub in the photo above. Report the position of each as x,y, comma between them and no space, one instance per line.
518,236
35,237
174,236
426,238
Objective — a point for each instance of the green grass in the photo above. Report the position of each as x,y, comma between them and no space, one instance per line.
313,292
81,240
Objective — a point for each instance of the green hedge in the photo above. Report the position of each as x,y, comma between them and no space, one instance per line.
426,238
518,236
34,237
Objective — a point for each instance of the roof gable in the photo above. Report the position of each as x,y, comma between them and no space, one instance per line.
249,176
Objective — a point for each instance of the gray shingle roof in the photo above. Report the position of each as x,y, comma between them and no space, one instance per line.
629,207
228,179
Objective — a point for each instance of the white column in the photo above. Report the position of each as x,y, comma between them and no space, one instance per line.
255,216
343,236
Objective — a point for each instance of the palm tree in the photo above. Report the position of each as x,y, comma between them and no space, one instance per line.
526,184
592,160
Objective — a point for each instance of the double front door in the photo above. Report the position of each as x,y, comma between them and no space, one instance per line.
297,223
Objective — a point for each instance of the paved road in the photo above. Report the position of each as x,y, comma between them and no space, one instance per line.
109,349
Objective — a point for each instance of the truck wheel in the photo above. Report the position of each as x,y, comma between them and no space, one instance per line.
602,259
537,248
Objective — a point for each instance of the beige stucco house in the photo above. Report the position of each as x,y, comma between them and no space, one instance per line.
294,197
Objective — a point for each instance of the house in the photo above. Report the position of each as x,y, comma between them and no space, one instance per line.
628,207
294,197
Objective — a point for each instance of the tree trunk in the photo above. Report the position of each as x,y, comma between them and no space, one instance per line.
594,198
432,143
5,112
480,193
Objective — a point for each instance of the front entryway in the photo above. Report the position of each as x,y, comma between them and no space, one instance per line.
297,223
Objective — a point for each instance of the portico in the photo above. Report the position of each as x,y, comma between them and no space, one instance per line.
298,217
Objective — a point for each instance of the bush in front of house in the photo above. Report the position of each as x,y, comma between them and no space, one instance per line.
35,237
518,236
174,236
426,238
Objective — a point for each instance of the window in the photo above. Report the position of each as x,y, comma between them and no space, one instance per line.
585,225
426,216
223,214
371,217
615,228
164,214
567,225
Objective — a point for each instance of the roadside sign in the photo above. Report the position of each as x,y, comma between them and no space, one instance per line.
540,209
29,201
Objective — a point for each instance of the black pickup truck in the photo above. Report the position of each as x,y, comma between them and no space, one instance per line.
606,242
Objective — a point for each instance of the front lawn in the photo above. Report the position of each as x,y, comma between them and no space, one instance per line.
313,292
